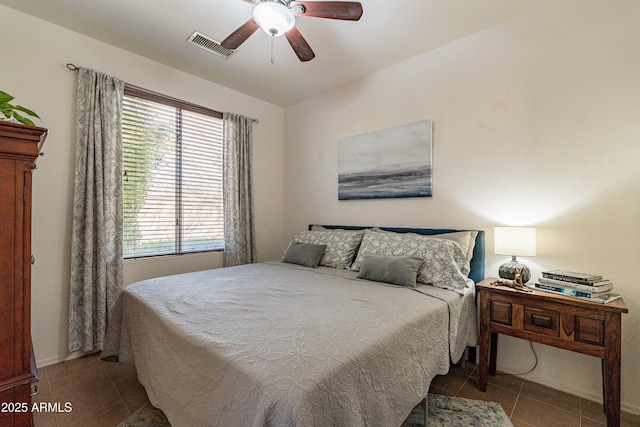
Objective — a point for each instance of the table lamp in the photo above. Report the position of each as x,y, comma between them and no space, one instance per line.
514,241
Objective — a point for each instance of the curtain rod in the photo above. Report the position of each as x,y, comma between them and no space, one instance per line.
73,67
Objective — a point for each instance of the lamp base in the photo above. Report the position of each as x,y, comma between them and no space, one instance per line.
508,270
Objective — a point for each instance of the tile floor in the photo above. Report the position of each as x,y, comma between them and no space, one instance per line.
105,393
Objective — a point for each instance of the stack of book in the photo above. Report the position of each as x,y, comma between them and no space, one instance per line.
585,286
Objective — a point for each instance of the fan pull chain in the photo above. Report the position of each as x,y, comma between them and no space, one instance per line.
272,48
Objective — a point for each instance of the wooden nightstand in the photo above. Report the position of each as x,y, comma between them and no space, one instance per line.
564,322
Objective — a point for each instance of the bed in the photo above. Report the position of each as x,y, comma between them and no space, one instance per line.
280,343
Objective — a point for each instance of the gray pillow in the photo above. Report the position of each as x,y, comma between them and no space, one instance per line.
306,254
396,270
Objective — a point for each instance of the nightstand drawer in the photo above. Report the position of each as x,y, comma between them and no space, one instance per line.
542,321
589,330
500,312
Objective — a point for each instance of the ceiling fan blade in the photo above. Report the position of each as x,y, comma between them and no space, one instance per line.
299,45
345,10
239,36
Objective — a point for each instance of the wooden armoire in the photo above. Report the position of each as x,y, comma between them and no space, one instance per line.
19,148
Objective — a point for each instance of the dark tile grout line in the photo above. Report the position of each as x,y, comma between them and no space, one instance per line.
114,386
49,389
513,410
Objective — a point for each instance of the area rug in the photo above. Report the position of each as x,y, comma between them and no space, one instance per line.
447,411
444,411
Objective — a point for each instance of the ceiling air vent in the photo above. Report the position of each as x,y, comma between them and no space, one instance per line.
209,44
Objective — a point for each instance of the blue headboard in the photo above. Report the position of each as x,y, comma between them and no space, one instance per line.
477,261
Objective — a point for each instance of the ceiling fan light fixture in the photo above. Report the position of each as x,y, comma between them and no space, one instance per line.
273,17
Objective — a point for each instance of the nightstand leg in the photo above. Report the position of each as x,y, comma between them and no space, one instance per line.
485,342
613,344
604,388
493,354
483,367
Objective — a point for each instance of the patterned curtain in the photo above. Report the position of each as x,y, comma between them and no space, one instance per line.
239,227
96,245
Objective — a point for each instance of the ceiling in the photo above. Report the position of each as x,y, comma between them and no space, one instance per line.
389,32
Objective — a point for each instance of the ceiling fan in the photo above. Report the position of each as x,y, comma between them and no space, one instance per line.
277,17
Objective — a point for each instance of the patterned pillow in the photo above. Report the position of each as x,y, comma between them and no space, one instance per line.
341,245
443,260
466,240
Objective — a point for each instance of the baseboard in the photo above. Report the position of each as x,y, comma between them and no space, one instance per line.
41,363
635,410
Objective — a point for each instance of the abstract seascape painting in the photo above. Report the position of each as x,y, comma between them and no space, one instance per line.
389,163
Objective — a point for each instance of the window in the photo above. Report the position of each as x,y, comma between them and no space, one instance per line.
172,176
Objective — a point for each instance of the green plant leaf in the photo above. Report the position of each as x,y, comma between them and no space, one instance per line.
6,111
5,97
10,110
23,119
25,110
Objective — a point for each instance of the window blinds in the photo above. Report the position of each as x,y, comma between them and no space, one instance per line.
172,177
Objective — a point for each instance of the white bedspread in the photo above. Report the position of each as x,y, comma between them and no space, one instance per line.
275,344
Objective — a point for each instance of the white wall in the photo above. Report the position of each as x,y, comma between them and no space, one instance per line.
535,123
33,70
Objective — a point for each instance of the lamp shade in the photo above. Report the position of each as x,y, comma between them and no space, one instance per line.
274,18
514,241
